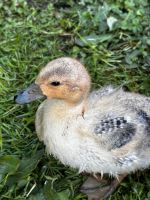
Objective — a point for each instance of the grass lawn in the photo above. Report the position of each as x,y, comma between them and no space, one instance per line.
112,39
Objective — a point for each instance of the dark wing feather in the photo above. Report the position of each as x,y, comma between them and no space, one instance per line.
118,131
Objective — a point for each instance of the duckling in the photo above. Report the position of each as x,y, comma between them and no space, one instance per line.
106,131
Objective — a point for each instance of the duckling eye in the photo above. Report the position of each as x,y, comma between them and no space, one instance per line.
55,83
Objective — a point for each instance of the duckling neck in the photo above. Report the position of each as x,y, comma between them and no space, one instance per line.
61,108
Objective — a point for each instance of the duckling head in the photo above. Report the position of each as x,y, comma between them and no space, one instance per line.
63,78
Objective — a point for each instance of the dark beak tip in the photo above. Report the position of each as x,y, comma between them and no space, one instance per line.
15,97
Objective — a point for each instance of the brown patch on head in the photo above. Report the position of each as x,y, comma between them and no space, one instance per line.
70,93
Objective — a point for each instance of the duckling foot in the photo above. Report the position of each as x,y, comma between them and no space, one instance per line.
100,189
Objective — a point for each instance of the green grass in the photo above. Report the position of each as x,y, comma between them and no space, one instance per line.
33,33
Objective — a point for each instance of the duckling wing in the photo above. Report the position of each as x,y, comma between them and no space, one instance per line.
119,118
115,132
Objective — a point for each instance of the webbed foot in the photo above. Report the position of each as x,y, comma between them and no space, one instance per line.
100,189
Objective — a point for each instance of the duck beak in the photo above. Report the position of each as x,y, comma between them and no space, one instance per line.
32,93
